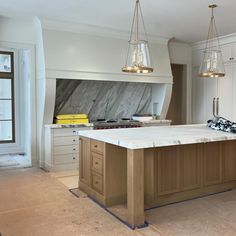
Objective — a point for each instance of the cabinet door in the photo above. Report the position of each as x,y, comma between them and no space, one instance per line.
229,160
84,161
234,92
212,163
227,52
226,93
210,91
198,112
168,170
190,169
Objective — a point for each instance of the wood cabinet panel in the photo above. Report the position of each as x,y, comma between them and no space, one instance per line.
212,163
97,182
97,146
190,166
168,170
97,163
229,161
84,161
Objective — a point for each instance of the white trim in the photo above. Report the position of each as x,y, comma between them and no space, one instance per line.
71,74
70,26
226,39
32,139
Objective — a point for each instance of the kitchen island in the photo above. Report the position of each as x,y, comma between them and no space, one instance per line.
153,166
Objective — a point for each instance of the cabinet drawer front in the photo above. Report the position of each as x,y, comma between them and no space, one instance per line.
69,158
68,140
65,132
97,182
66,149
97,146
97,163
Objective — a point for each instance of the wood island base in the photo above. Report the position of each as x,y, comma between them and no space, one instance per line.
149,177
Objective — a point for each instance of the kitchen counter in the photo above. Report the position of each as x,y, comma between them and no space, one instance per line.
148,137
145,167
59,126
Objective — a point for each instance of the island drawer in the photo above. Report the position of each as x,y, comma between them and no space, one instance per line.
97,163
97,146
97,182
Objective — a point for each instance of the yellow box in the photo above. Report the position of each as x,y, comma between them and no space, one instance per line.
72,121
71,116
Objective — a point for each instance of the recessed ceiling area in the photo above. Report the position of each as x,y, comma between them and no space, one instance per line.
185,20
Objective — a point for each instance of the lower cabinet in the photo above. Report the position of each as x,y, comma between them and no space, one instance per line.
172,174
212,163
178,168
168,171
103,173
229,161
84,161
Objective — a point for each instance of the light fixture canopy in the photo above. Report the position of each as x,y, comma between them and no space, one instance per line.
212,65
138,58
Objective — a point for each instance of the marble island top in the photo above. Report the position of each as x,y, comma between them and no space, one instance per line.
147,137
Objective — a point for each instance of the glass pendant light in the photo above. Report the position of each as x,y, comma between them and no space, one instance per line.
138,58
212,64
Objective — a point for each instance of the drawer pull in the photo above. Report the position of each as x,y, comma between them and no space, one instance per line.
74,158
96,182
74,131
74,149
73,140
95,146
96,163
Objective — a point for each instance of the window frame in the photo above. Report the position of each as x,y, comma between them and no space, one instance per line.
10,75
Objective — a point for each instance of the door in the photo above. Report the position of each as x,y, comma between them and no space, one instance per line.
177,107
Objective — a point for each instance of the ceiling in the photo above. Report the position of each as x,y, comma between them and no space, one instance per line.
184,20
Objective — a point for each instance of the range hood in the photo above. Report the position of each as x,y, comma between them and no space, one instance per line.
98,56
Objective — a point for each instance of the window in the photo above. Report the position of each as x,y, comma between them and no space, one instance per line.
7,119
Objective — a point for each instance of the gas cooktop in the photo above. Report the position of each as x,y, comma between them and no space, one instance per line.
115,124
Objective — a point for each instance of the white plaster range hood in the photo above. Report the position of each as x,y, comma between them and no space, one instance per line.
73,52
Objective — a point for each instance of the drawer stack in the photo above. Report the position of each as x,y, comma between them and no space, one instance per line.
61,148
65,148
97,166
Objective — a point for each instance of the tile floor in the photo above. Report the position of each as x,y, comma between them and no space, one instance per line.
36,203
12,161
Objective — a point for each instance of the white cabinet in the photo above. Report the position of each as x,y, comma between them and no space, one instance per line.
229,52
226,101
210,92
61,148
205,89
198,103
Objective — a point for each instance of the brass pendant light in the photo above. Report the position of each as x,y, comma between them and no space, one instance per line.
138,57
212,64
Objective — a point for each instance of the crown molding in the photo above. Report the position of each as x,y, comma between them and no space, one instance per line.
74,27
225,39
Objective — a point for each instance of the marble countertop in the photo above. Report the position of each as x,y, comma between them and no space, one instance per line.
59,126
155,136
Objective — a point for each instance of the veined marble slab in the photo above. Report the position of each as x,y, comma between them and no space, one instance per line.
102,99
147,137
59,126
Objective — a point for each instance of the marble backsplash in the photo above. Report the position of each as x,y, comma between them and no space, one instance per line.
102,99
